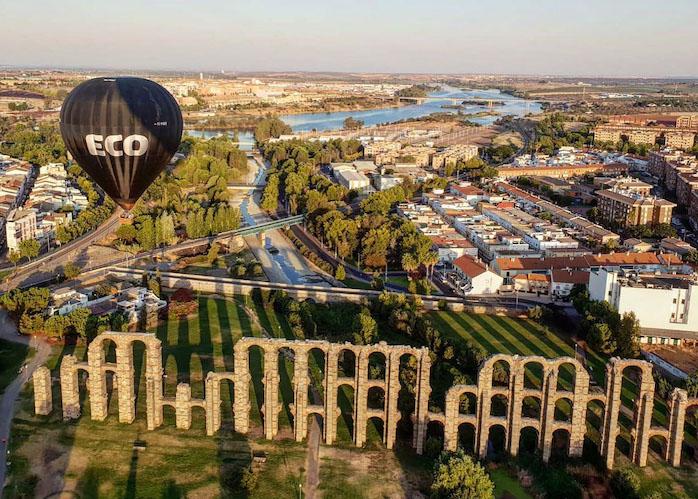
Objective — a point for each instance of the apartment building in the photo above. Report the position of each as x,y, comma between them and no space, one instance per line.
534,204
20,226
562,171
628,208
539,234
665,304
624,183
673,137
451,155
375,148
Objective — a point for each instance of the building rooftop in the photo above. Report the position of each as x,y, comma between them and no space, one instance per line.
470,266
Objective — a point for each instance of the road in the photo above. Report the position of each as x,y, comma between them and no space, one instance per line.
8,332
36,271
288,265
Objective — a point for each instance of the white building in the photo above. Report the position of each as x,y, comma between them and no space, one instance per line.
132,300
20,226
661,302
351,179
472,277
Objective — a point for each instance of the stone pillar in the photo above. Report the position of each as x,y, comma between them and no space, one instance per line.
579,412
331,395
451,413
213,403
484,404
97,382
677,418
644,418
300,394
241,404
70,394
392,414
183,406
43,397
125,378
153,383
614,381
271,392
423,393
361,397
548,411
516,396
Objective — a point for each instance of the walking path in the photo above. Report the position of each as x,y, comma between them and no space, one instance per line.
8,331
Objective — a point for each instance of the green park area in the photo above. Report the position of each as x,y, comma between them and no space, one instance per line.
109,459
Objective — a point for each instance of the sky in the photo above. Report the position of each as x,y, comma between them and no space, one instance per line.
637,38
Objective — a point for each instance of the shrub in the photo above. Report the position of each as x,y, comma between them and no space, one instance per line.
432,447
625,483
443,305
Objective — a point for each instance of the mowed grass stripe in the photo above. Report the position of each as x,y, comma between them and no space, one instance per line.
447,323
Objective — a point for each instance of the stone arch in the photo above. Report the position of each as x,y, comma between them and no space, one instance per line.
533,375
566,375
375,431
564,407
659,446
346,363
467,435
169,414
501,373
496,441
226,402
257,368
346,411
436,431
467,403
560,446
285,369
689,436
171,376
529,440
377,365
198,417
108,347
499,405
531,407
317,367
408,375
315,417
594,419
375,399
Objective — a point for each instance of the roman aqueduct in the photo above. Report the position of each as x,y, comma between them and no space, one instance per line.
513,396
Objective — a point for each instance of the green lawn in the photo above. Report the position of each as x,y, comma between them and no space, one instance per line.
507,486
12,356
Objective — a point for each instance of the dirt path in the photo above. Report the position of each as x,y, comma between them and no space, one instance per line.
312,462
8,332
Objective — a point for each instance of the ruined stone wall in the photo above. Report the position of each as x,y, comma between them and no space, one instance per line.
511,390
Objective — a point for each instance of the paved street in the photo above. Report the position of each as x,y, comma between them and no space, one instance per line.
8,332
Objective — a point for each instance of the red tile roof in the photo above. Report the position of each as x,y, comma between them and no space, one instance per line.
470,266
570,276
587,261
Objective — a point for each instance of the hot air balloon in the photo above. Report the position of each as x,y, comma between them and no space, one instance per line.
122,131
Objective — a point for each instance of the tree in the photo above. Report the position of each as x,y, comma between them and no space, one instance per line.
457,476
71,270
340,274
365,328
600,337
29,248
271,127
628,338
14,256
352,124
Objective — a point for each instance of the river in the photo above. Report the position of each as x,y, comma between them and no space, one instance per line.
334,121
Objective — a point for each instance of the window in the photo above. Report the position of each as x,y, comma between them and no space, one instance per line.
674,301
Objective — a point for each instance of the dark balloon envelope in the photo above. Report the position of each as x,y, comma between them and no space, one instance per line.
122,131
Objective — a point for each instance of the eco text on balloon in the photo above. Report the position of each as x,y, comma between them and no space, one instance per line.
132,145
